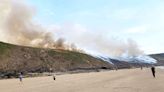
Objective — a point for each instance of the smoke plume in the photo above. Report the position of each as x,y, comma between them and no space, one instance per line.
17,27
99,42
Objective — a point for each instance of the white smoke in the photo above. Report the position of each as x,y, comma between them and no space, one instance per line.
17,27
98,41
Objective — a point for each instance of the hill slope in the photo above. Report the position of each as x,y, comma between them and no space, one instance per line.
27,59
14,59
159,58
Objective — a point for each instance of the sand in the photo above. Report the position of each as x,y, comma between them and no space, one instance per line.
128,80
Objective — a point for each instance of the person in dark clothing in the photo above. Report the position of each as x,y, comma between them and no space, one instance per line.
153,71
54,77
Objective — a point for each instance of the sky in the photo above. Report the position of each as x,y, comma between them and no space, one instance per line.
139,20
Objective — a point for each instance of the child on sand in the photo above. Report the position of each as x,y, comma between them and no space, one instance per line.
54,77
20,77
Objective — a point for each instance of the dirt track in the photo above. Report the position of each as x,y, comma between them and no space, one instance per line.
132,80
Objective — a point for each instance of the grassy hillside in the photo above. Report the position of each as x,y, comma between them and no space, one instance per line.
14,59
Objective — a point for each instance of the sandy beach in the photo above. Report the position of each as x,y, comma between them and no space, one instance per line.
127,80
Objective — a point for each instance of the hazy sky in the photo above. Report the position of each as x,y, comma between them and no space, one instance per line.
140,20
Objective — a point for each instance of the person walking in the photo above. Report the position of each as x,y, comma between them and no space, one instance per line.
153,71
